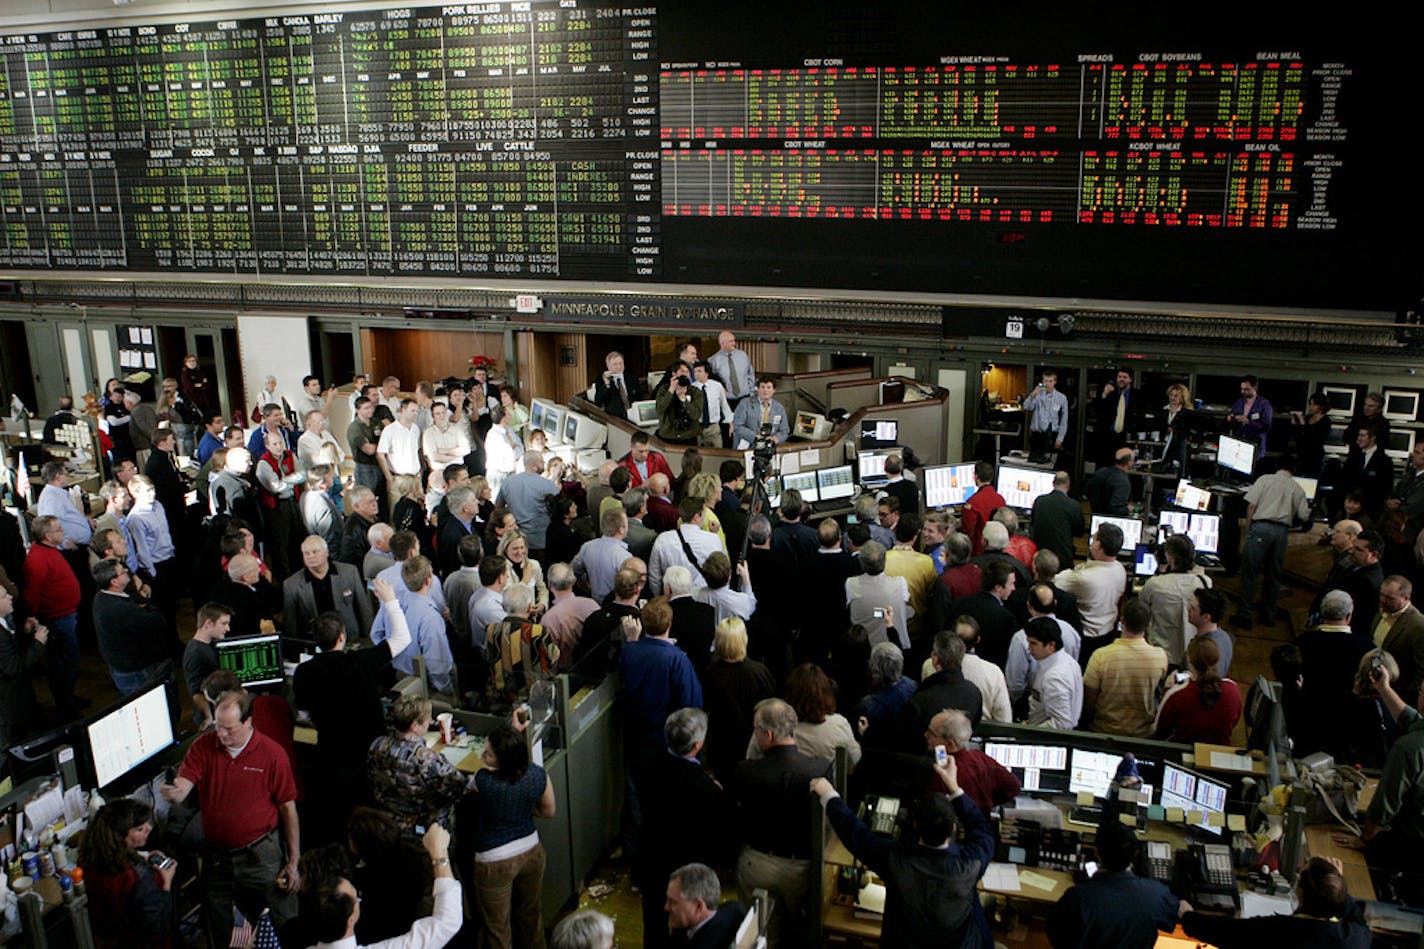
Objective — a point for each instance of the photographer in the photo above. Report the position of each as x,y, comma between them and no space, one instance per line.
680,407
1394,823
614,391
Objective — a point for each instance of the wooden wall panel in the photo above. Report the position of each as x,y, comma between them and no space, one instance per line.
575,378
538,365
415,354
1010,382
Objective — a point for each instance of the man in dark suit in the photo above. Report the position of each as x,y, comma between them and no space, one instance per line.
947,688
906,492
1364,582
1109,489
464,507
1065,604
826,617
669,839
1404,638
694,624
322,585
1057,519
1117,410
996,623
791,537
22,656
776,820
1370,471
615,392
692,894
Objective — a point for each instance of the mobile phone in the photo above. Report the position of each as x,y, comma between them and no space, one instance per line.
160,861
941,755
1376,663
878,612
1090,868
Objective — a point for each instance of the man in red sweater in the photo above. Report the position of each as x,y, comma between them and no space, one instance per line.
981,505
52,596
986,782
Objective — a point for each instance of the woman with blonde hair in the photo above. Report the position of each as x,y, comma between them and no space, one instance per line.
706,487
409,512
731,688
481,486
523,571
1179,400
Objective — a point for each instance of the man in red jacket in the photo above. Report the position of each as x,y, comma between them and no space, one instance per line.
642,462
52,596
981,505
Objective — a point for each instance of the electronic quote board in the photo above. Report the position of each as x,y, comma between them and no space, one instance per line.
826,145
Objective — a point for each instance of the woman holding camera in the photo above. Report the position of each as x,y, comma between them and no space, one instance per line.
130,889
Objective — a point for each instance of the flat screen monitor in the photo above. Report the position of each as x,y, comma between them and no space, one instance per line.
1131,529
255,660
1191,497
1038,767
644,413
554,425
835,483
1193,792
870,465
1144,561
1401,406
802,481
1020,487
879,433
1310,486
1236,455
1335,440
947,484
1341,399
1093,772
125,737
1203,529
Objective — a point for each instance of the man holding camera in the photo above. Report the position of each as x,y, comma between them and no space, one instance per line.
680,407
615,391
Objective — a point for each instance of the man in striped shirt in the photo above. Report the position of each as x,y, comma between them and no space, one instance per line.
1121,679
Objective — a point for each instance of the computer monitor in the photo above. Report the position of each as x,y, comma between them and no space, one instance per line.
34,757
255,660
1335,441
1309,485
1236,455
1144,560
871,466
1038,767
1399,443
1193,792
1400,405
581,432
947,484
537,408
1191,497
1341,399
802,481
644,414
879,433
812,426
1205,532
835,483
554,424
1020,487
1131,530
129,734
1179,521
1092,772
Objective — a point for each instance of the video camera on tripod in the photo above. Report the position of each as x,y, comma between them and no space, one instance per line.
763,453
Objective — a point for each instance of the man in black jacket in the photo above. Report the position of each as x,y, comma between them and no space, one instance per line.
776,821
947,688
694,624
1364,582
930,895
1057,519
669,838
133,636
693,892
22,656
997,624
616,391
1325,918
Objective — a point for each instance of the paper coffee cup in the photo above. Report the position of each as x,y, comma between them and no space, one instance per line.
447,726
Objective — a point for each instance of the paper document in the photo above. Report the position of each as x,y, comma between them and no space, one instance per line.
1260,904
1037,880
790,464
810,457
1003,877
1229,762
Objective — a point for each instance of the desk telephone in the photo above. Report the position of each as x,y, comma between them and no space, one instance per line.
1156,858
1210,879
881,816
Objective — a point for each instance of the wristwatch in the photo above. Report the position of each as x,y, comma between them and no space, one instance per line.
442,862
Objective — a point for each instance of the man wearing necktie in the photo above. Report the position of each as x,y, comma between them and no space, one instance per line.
754,414
716,410
615,392
1117,409
733,367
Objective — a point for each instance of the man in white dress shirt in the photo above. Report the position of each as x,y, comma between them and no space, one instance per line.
733,367
672,547
398,451
318,446
716,410
1057,696
503,450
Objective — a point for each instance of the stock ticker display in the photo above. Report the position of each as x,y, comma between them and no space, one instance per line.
791,144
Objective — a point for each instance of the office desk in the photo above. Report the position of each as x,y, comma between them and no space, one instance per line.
1320,841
